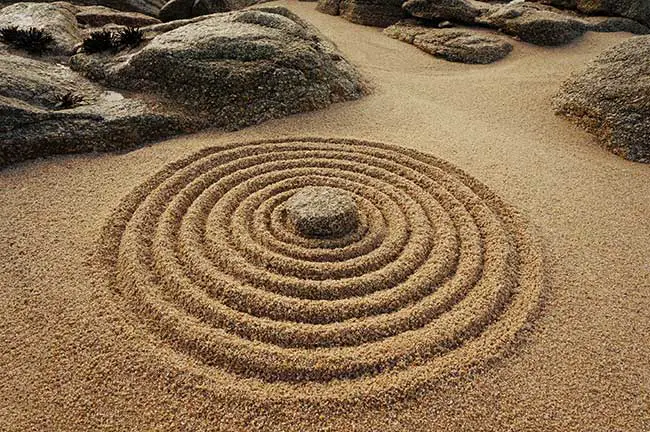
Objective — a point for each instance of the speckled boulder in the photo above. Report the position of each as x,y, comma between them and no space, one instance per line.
534,24
330,7
57,19
98,16
457,45
615,24
378,13
611,98
638,10
35,121
234,69
322,212
452,10
148,7
183,9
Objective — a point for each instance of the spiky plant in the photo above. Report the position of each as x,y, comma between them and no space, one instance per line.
32,40
98,41
130,36
9,34
67,100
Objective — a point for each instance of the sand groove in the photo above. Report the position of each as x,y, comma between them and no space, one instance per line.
439,276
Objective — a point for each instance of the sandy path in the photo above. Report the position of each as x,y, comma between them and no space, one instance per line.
71,362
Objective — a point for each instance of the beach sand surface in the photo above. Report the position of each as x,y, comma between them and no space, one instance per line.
70,360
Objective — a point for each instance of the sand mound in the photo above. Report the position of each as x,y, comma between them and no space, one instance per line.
438,276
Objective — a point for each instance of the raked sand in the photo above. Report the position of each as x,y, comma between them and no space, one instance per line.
73,357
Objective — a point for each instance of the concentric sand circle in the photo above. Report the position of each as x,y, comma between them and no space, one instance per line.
438,275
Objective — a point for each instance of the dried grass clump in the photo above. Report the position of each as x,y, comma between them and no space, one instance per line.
438,277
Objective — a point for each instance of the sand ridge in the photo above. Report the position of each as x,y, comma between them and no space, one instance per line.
451,280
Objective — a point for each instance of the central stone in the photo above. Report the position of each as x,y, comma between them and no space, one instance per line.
319,211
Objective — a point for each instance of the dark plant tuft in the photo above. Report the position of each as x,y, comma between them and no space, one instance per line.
67,100
106,40
98,41
9,34
32,40
130,36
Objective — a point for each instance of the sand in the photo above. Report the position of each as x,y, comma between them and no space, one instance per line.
75,357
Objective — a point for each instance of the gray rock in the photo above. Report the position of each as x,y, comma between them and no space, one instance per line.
234,5
234,69
462,11
611,98
176,10
186,9
227,70
57,19
616,24
316,211
206,7
171,25
638,10
35,123
99,16
330,7
566,4
535,24
531,22
377,13
457,45
148,7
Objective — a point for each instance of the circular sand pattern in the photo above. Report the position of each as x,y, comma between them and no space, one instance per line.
438,276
